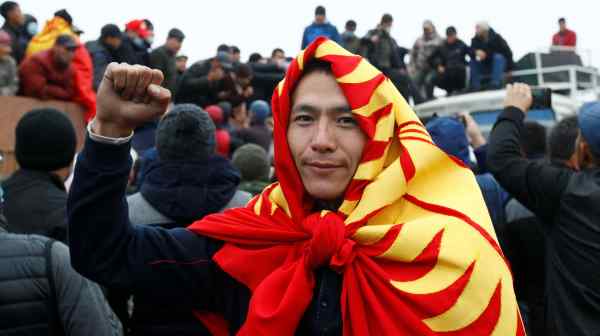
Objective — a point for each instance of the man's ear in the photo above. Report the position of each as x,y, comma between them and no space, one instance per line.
586,158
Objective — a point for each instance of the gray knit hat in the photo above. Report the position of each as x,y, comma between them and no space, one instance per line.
253,162
185,133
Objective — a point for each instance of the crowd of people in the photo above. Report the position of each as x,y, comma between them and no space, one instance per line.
225,214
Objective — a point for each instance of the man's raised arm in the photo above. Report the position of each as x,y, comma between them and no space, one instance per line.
105,247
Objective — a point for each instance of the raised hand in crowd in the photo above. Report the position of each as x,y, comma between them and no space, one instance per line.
519,96
474,134
129,96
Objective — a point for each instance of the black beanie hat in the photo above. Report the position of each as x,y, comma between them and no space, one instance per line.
45,140
185,133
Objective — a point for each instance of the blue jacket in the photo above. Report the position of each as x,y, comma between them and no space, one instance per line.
315,30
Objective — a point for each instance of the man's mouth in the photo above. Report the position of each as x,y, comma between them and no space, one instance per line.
323,166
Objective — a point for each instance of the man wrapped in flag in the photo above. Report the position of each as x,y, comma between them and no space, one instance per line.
371,229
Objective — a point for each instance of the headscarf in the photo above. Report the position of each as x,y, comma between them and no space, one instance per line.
412,238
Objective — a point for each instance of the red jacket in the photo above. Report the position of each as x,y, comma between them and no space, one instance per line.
566,39
41,78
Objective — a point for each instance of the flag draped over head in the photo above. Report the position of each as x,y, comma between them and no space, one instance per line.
412,238
83,67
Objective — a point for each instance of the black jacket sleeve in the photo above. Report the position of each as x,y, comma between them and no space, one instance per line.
171,266
536,185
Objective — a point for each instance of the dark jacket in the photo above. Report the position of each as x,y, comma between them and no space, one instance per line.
102,55
41,294
450,55
256,134
195,88
107,248
163,59
36,203
188,191
134,53
42,79
19,41
350,42
566,202
495,43
265,79
384,53
315,30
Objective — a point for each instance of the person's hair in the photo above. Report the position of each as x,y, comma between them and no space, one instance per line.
387,18
533,139
350,25
243,71
223,48
235,50
276,50
483,25
316,66
7,7
320,10
149,24
254,57
450,31
181,57
562,20
561,142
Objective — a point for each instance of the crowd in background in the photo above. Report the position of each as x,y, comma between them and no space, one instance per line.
177,178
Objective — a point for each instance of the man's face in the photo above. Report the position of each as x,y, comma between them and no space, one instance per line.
479,31
16,17
319,19
240,115
174,45
562,26
451,38
63,55
324,139
387,26
5,50
278,56
235,57
427,31
113,42
181,64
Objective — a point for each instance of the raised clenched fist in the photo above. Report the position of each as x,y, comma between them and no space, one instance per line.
129,96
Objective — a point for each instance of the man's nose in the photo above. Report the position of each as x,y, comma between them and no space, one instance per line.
324,139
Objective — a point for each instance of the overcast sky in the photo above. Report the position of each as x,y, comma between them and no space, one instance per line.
264,24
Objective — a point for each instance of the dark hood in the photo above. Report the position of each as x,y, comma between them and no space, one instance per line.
187,191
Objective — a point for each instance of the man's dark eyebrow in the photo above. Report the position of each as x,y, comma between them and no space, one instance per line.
341,109
305,108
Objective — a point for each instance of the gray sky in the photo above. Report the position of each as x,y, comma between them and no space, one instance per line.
264,24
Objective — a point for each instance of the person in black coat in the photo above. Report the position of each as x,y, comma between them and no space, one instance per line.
36,199
163,58
105,50
14,25
450,63
565,201
134,49
204,81
493,57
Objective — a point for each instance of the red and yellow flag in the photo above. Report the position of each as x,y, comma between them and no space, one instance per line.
412,239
